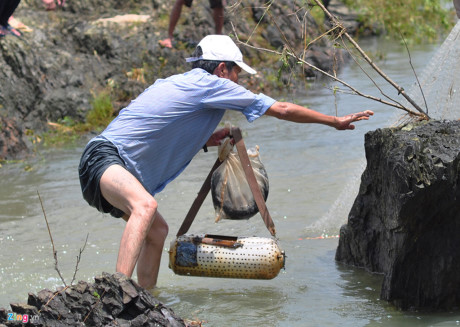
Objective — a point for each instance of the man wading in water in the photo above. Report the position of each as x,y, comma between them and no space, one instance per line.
153,139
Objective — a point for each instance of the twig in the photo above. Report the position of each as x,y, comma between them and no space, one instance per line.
415,74
334,66
339,35
365,72
78,259
260,20
341,31
321,36
282,34
95,304
51,237
51,298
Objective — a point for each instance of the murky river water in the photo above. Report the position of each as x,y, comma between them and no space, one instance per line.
314,175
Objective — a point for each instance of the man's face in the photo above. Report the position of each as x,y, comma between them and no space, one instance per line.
233,74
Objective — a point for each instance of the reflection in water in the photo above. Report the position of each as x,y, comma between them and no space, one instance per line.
364,289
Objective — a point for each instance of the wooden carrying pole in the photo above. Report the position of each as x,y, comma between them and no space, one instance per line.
244,158
251,178
198,201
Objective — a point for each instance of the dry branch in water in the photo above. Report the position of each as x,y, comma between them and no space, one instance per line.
56,267
78,259
52,242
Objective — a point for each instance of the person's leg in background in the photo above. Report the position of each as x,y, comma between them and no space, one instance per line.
217,7
173,19
7,8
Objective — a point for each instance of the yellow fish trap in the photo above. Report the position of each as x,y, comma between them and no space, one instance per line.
227,256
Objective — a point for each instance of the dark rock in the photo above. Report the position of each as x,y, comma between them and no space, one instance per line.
348,17
405,220
12,139
113,300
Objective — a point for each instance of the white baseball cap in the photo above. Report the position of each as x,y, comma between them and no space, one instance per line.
221,47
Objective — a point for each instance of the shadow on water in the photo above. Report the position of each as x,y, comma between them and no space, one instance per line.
363,290
211,305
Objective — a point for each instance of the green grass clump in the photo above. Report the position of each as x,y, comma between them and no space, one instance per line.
416,20
101,113
67,130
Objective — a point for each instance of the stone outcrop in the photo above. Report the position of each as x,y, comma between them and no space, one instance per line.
52,73
112,300
405,221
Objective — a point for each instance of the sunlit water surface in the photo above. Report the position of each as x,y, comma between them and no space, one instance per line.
314,175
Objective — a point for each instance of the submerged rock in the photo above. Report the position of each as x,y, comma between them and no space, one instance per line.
112,300
405,221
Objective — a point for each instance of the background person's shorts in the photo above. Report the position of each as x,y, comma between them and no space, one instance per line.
96,158
212,3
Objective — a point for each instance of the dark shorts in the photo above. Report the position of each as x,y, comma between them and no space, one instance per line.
212,3
96,158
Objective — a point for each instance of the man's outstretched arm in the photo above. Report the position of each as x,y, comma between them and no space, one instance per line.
295,113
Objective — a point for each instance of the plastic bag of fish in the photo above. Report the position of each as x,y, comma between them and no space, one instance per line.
231,195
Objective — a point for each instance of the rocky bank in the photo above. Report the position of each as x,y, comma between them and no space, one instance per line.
112,300
52,73
405,221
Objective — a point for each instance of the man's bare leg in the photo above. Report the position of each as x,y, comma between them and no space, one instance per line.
121,189
148,264
173,19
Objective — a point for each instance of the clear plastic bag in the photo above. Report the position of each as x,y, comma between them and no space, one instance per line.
231,194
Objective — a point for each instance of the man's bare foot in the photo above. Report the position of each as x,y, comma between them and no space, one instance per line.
166,43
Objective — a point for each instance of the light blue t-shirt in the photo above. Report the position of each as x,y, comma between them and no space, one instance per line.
159,132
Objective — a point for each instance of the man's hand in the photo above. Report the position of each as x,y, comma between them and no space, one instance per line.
345,122
218,136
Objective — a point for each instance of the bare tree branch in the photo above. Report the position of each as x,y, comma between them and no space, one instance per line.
52,242
78,259
370,62
365,72
260,20
413,69
338,31
51,298
354,90
99,297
